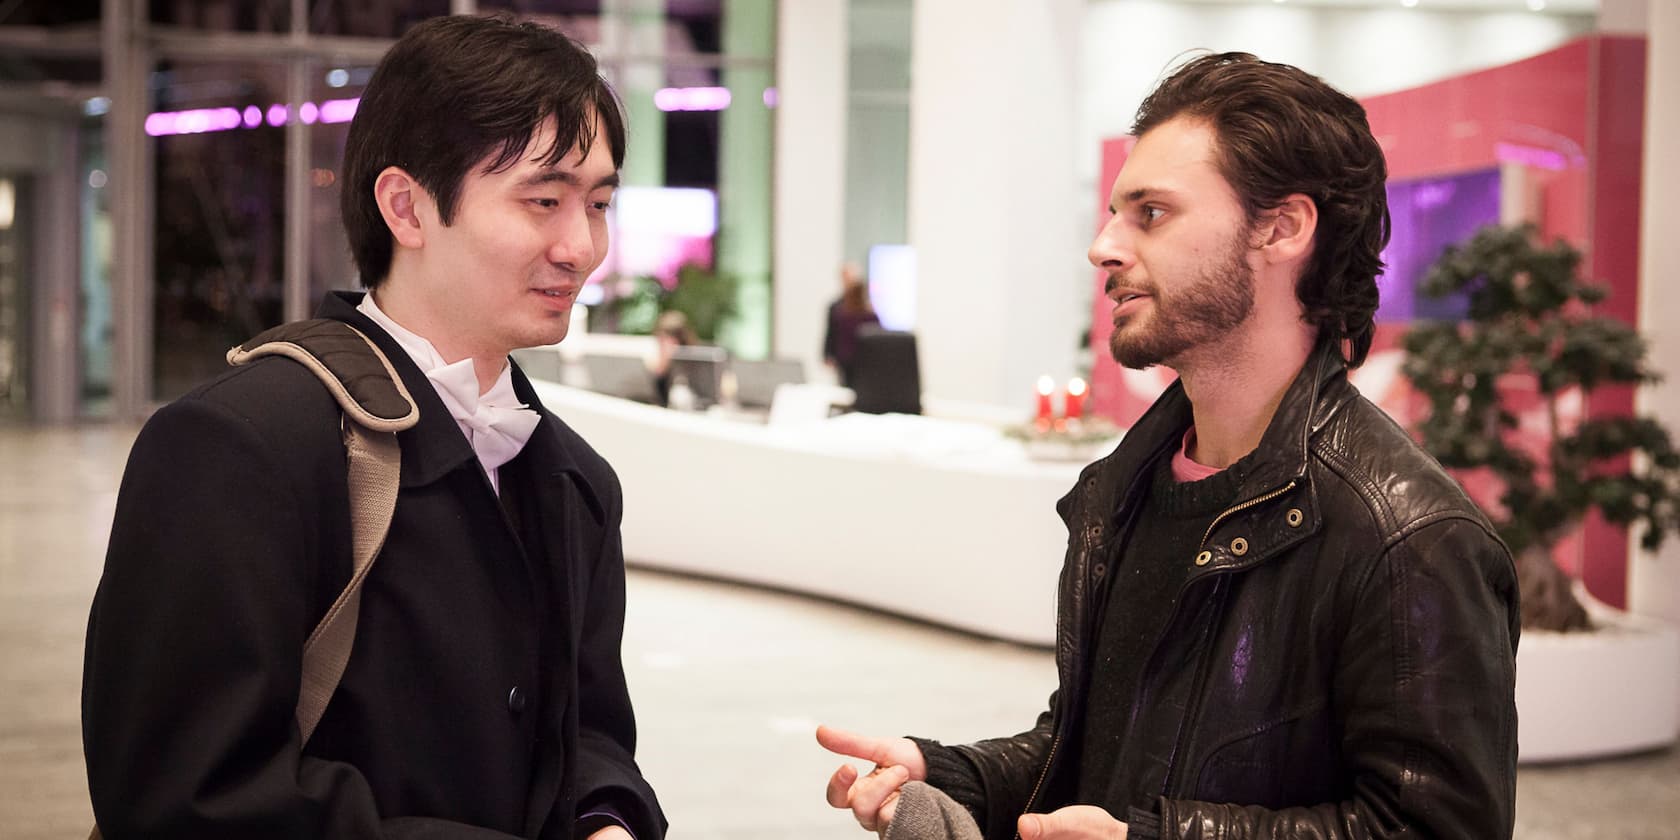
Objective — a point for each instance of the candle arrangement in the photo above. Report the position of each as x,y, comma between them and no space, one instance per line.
1069,435
1073,402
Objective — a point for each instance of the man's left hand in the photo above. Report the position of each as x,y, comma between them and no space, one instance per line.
612,832
1075,822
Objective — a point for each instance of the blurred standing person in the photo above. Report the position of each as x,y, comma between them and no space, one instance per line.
484,696
669,332
851,312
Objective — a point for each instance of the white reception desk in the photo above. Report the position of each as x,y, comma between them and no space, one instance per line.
940,520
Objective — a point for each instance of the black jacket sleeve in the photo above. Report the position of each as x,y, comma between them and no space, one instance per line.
993,778
194,647
1424,700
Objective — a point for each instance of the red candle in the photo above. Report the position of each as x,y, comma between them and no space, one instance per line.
1046,387
1073,405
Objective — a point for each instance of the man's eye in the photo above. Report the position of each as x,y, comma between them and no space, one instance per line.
601,206
1152,214
546,203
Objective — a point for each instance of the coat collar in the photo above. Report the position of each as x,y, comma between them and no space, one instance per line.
1319,389
554,445
435,445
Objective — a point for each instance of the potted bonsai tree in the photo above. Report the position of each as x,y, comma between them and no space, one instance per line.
1530,328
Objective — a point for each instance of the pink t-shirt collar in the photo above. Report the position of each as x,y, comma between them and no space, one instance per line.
1184,469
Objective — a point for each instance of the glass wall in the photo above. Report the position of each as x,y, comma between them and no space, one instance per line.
219,230
236,134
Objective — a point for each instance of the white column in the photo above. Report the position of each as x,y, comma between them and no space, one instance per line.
810,171
745,223
995,215
55,356
1654,581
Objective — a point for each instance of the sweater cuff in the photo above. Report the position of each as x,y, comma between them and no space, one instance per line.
1142,825
954,774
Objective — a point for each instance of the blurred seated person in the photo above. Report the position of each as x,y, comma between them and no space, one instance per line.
670,332
845,316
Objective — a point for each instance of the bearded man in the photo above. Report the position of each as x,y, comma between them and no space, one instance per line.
1277,616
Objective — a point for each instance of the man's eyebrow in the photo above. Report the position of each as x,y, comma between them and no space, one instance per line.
569,178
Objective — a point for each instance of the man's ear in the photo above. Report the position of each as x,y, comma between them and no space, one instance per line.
1292,225
401,200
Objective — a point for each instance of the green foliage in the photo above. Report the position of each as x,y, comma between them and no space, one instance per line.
1530,315
634,311
706,298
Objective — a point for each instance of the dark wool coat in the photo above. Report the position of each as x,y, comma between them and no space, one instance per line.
485,695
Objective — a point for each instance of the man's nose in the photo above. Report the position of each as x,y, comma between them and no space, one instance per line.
1112,249
573,244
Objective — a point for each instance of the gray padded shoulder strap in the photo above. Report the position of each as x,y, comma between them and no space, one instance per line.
357,374
376,406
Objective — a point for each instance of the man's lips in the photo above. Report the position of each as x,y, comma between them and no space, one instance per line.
556,298
1113,290
1127,304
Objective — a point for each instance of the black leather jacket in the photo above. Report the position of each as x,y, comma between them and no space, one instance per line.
1343,653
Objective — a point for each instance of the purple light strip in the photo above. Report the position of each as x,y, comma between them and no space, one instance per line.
205,120
691,99
1531,156
701,98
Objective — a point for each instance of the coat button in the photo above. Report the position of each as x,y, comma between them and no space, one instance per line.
1293,517
1204,558
1239,546
1099,569
516,700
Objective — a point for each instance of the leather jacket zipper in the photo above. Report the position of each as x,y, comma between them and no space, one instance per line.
1051,756
1245,506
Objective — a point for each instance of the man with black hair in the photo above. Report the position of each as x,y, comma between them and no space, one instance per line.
1277,616
485,696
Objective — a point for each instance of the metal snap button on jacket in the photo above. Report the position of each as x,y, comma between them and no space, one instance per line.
1293,517
1203,558
1239,546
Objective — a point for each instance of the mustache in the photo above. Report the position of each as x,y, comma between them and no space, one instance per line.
1114,282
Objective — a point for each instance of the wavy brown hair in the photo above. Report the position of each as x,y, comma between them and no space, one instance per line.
1283,131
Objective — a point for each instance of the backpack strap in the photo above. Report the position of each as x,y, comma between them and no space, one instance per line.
376,406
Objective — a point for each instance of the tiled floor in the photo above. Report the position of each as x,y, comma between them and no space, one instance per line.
729,682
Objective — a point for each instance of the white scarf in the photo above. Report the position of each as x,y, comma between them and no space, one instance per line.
495,423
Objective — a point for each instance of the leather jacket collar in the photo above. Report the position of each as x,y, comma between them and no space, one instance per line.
1318,390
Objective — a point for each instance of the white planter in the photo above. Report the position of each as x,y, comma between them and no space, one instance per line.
1611,691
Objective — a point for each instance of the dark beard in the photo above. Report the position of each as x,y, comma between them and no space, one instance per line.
1220,298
